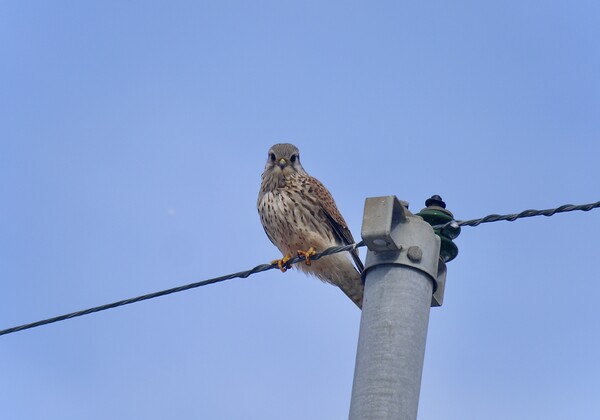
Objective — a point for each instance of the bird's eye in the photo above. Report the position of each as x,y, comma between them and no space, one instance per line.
272,157
293,158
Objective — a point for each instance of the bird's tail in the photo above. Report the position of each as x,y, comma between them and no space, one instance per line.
338,270
353,287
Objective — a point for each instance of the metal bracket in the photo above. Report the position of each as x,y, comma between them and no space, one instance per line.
395,236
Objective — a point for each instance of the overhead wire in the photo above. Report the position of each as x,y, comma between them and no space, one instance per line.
265,267
242,274
529,213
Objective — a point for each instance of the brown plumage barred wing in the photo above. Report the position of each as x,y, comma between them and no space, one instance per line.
337,222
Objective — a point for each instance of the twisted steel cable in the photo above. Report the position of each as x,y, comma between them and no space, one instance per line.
264,267
242,274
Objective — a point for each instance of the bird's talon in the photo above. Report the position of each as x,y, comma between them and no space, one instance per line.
283,264
307,254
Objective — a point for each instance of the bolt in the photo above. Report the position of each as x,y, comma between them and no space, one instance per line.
380,242
414,254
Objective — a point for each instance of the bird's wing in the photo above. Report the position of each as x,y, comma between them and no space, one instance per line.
337,222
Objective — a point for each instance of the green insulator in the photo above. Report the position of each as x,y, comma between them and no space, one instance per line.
436,215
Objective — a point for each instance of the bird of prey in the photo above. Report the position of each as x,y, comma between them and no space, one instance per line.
300,218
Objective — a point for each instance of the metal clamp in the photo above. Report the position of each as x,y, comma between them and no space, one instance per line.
394,235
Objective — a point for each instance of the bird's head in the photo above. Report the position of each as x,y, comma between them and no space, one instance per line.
283,160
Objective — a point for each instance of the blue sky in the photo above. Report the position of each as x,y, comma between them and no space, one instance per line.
132,139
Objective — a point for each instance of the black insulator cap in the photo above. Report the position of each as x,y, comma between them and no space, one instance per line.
435,200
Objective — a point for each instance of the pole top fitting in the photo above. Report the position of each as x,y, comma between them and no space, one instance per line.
435,201
394,236
381,217
436,215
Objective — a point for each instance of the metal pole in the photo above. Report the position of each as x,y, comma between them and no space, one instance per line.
402,271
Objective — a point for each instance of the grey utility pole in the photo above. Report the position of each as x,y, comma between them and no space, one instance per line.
404,277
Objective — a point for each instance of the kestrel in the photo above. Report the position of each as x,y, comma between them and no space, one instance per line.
300,218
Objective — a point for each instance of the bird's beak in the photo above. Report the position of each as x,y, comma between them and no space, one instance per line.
282,163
